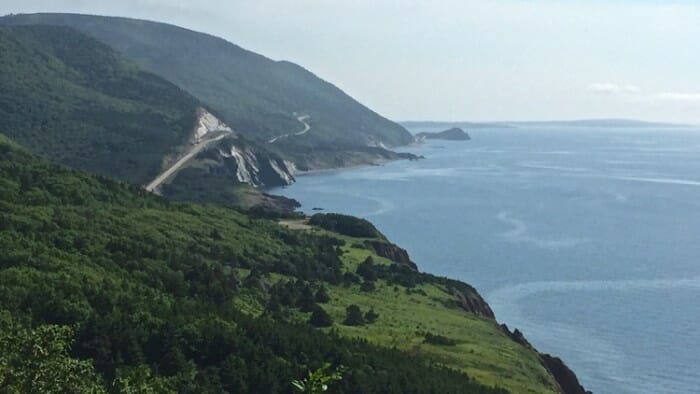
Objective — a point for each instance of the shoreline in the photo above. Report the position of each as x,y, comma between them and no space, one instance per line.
565,377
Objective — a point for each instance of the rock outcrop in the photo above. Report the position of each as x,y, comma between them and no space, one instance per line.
248,165
566,378
392,252
472,303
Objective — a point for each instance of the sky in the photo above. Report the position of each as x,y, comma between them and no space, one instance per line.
490,60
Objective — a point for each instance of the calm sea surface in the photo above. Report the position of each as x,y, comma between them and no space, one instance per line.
588,240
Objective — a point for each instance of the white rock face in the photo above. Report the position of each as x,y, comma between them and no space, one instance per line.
291,167
207,123
247,167
283,174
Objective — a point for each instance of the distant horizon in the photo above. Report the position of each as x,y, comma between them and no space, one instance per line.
462,59
574,120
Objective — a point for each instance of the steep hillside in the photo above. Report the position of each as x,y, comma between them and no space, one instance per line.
74,100
194,298
259,97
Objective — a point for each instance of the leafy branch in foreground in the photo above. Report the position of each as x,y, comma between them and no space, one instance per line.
317,381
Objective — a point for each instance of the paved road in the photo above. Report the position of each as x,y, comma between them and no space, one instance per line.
306,129
196,148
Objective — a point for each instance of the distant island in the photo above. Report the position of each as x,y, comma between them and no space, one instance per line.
453,134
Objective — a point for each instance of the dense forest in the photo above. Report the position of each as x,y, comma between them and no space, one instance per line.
74,100
123,289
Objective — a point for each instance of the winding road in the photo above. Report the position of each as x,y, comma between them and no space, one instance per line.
196,148
302,120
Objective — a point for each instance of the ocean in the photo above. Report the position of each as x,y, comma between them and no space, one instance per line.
585,239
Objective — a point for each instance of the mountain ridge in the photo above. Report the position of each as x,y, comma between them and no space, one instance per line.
256,95
72,98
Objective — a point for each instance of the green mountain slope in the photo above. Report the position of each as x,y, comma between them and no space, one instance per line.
257,96
74,100
203,298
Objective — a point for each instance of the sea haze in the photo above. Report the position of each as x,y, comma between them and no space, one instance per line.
585,239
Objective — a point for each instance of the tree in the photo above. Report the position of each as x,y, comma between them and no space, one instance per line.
367,270
37,361
321,295
367,286
306,300
319,318
353,316
371,316
139,380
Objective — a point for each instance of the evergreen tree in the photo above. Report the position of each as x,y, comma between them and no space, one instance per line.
367,269
371,316
353,316
321,295
367,286
320,318
306,300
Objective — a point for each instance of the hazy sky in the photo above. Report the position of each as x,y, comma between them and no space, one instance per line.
462,59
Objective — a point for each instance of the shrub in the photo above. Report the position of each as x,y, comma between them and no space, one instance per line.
371,316
346,225
367,286
436,339
321,295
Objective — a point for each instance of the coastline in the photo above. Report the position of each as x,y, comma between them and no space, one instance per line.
566,378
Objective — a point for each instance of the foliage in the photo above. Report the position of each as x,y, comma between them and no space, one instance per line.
371,316
317,381
321,295
37,361
156,294
320,318
346,225
353,316
436,339
74,100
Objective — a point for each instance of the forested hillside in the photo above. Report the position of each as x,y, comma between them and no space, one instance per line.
194,298
259,97
74,100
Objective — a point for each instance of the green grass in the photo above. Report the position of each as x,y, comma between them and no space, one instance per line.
482,350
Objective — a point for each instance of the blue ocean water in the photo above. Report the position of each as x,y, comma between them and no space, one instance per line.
588,240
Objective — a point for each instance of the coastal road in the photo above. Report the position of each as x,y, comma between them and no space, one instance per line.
196,148
302,120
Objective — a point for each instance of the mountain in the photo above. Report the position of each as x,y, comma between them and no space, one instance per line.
73,99
123,289
270,101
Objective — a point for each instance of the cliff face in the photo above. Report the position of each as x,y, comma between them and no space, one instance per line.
473,303
253,167
469,300
392,252
565,377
